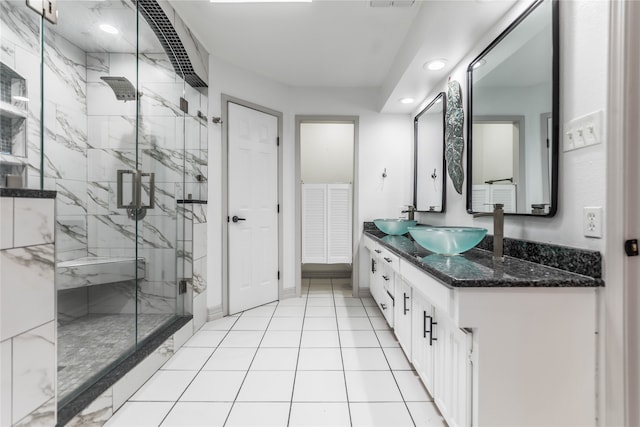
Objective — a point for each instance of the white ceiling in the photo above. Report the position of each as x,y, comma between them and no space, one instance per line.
344,43
326,43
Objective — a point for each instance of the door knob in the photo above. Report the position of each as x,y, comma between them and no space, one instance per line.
236,218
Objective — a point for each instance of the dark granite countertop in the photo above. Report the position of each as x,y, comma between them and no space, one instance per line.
477,268
27,193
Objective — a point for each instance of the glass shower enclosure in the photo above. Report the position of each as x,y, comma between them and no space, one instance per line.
104,123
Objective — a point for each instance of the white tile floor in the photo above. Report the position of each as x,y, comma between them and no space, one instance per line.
325,359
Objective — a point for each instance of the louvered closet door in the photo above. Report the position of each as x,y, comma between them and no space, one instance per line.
314,223
339,223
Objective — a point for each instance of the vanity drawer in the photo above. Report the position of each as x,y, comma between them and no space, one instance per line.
389,259
440,295
369,244
388,276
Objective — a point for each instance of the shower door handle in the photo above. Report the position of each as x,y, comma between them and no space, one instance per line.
136,189
120,178
152,190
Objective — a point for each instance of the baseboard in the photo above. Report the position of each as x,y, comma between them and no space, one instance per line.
214,313
327,275
364,293
288,293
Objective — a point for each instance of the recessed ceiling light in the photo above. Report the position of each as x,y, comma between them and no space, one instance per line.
435,65
110,29
479,64
20,98
407,100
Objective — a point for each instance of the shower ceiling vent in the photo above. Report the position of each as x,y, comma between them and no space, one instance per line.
170,41
391,3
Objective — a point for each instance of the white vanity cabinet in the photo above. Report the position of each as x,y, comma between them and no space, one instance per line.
520,353
441,352
373,265
383,267
422,349
389,265
402,313
453,369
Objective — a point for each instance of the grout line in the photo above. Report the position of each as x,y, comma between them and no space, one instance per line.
390,369
295,373
252,360
194,377
344,373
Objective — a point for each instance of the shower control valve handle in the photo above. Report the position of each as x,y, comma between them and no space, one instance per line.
236,218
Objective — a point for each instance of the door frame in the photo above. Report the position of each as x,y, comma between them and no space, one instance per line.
224,205
355,226
619,363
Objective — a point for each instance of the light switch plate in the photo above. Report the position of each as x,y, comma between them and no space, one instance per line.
583,131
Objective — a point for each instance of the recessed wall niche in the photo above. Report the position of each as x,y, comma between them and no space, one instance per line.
13,128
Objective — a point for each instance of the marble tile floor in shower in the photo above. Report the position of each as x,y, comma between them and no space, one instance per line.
324,359
89,344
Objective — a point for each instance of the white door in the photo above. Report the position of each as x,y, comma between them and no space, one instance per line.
253,203
314,223
339,224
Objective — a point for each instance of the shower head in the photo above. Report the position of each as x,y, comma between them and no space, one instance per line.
122,88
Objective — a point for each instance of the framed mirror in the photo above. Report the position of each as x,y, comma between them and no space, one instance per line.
429,186
513,110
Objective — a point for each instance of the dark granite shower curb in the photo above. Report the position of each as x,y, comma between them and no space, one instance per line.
75,406
27,193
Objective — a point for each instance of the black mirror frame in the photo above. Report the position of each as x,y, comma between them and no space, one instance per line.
442,96
555,105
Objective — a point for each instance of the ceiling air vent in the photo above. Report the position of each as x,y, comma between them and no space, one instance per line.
391,3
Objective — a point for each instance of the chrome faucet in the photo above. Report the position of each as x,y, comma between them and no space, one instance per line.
498,229
410,212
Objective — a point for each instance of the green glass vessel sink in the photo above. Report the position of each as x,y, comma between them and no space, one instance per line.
447,240
394,226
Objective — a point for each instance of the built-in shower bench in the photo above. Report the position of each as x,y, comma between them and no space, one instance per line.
91,271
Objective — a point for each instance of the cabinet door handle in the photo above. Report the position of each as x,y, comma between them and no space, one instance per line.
431,337
373,265
431,325
424,325
406,297
386,278
378,251
387,259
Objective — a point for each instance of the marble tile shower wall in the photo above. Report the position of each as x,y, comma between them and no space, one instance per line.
20,50
169,144
192,259
89,135
27,313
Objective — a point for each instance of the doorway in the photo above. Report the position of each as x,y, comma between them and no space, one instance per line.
326,172
251,205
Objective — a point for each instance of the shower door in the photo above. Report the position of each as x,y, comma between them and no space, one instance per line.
113,149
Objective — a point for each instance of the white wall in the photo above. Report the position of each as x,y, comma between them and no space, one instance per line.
326,153
584,42
583,85
385,141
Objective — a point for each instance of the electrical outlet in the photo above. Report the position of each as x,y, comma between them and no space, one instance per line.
592,222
